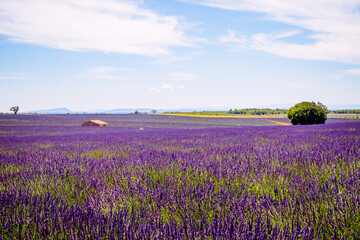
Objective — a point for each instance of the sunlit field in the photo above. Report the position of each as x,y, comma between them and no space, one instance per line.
178,177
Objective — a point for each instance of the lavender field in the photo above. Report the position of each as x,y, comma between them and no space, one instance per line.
179,178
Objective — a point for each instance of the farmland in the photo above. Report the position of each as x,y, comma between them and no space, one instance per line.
178,178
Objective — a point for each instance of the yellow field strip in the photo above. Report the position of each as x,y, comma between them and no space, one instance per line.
222,116
278,122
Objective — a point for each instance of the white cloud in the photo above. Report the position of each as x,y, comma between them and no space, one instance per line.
234,37
15,77
103,73
335,27
10,78
164,87
353,71
118,26
170,59
167,87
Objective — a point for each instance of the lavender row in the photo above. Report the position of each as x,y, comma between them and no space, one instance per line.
24,216
131,121
254,182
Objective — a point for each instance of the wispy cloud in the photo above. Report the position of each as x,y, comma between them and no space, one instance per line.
335,27
170,59
10,78
355,71
94,25
234,37
103,73
15,77
167,87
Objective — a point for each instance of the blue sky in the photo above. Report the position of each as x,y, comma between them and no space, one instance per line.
107,54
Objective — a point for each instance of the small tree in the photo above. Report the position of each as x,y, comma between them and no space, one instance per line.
15,109
153,111
308,113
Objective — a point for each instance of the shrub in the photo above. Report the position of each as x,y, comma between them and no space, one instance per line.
15,109
308,113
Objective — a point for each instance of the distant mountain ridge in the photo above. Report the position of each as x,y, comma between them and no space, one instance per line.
52,111
65,110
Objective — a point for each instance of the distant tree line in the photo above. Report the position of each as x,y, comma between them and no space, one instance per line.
348,111
198,113
256,111
246,111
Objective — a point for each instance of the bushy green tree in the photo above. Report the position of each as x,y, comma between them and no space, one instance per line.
308,113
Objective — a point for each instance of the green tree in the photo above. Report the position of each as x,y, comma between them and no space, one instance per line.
153,111
15,109
308,113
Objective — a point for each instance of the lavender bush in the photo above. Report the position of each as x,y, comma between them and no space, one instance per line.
270,182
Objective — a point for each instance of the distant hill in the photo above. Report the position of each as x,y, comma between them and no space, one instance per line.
52,111
124,110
